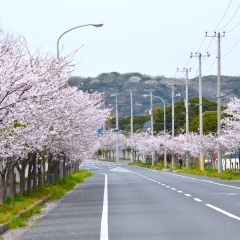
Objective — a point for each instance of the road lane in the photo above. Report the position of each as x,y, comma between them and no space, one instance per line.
141,208
211,191
77,216
145,204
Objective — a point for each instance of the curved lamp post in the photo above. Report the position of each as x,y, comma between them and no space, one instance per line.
94,25
164,117
164,120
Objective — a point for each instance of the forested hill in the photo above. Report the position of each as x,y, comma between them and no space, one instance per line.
110,83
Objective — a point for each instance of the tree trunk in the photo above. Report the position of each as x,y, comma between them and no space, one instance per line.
44,170
3,188
64,166
24,163
12,181
34,172
29,181
56,168
22,181
50,168
40,175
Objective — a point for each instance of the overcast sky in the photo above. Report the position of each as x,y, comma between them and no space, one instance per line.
153,37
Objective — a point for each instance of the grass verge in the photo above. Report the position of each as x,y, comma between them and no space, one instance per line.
227,175
14,206
157,166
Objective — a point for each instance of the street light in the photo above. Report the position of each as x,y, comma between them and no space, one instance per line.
164,122
164,117
151,90
117,126
94,25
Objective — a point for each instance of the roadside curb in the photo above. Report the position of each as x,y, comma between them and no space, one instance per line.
5,226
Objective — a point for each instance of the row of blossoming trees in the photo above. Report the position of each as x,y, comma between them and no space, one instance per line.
144,144
41,117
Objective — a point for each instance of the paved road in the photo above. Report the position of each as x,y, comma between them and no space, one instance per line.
130,203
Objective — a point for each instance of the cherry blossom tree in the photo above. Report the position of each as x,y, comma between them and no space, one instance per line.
40,115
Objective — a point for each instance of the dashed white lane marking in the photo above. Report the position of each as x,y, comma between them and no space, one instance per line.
202,180
104,221
223,212
119,169
104,226
197,199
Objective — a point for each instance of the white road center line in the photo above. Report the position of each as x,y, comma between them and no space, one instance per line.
104,222
222,211
197,199
180,191
188,195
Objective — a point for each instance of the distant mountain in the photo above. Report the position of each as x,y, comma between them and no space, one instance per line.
110,83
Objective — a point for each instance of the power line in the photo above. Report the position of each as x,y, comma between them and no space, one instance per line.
201,44
231,18
174,73
222,17
208,45
233,28
194,63
210,67
186,64
197,51
232,48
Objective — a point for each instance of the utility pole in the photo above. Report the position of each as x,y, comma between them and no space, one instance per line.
172,84
151,106
219,98
200,106
117,128
104,126
187,111
131,124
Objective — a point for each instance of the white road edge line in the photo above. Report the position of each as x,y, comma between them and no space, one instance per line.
222,211
104,222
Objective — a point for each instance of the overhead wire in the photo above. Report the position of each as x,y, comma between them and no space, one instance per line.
206,58
208,45
197,51
214,38
210,67
174,73
231,18
201,44
222,17
234,90
187,63
194,63
232,48
233,28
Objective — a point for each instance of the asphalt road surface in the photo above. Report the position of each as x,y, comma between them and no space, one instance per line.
122,202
